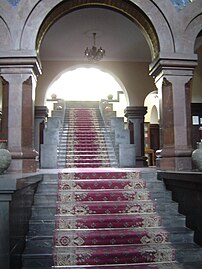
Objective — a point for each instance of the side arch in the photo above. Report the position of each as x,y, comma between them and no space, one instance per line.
192,30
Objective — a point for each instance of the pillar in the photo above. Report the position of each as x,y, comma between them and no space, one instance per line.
135,114
19,75
173,80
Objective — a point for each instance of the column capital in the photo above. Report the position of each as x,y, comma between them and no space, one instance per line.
20,65
135,111
173,65
41,112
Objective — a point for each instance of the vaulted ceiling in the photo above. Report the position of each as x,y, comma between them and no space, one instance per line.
121,38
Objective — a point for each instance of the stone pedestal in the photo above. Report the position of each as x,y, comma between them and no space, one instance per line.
121,135
127,156
48,156
135,115
50,142
117,123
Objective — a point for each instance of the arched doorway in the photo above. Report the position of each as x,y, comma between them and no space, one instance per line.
135,96
88,83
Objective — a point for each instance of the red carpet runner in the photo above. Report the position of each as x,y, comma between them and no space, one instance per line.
86,145
107,220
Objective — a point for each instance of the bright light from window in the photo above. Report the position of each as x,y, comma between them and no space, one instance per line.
84,84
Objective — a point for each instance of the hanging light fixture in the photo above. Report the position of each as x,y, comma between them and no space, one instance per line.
94,54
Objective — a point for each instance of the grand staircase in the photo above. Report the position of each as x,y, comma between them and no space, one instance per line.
95,215
117,219
85,141
39,241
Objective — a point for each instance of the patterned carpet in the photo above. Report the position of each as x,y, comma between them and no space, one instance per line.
105,218
86,144
108,220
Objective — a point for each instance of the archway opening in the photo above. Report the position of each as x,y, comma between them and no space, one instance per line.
87,84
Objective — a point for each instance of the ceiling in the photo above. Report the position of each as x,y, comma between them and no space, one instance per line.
68,38
121,38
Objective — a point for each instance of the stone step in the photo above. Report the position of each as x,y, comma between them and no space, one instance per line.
63,151
187,253
102,162
111,163
125,254
41,227
161,265
109,236
39,244
42,244
37,261
183,251
47,187
110,207
87,155
88,130
153,186
192,265
174,220
50,177
122,220
45,198
113,194
47,213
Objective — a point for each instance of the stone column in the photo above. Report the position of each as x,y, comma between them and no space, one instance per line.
135,114
173,80
20,75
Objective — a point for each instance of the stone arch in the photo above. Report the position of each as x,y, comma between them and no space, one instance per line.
193,28
146,15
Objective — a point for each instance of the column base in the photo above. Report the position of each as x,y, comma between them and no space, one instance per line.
24,162
23,166
174,163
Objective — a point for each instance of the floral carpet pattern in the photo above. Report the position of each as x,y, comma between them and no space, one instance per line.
108,220
86,144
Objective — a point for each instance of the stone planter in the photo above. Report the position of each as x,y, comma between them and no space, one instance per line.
197,156
5,157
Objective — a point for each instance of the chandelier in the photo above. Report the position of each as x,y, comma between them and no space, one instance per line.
94,54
